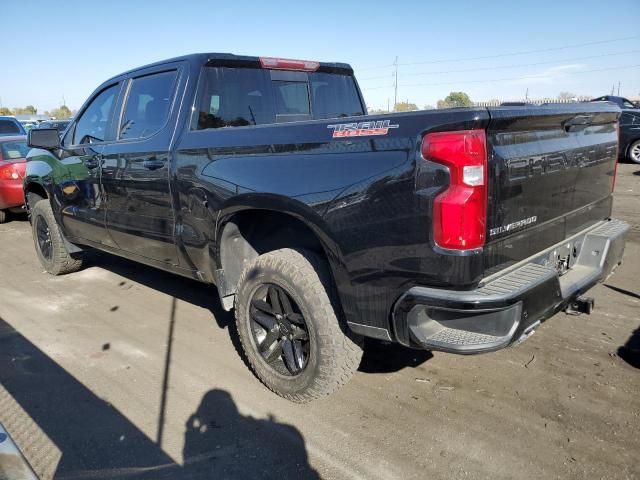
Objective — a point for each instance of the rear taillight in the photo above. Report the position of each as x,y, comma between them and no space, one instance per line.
9,172
460,212
289,64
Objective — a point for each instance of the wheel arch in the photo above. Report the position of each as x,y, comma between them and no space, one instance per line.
246,230
33,192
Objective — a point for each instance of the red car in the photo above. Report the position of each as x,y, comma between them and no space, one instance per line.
13,151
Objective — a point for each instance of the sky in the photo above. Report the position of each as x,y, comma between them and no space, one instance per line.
490,49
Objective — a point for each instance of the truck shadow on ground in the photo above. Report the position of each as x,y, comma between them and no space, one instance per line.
622,291
379,357
383,357
630,351
96,440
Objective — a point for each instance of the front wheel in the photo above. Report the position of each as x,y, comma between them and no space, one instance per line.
634,152
289,327
3,216
50,246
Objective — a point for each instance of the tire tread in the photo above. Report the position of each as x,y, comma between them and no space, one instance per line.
63,262
340,350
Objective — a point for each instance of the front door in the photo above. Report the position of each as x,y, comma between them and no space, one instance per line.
77,174
135,169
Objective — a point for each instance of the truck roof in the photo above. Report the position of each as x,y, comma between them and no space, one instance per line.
207,58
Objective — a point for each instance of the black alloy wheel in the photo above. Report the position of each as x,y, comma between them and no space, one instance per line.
280,333
43,237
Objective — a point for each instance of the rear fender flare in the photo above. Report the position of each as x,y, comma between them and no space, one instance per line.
293,208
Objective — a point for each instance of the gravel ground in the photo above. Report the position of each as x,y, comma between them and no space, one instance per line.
123,371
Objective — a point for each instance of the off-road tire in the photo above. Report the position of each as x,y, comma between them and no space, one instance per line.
4,215
335,352
61,261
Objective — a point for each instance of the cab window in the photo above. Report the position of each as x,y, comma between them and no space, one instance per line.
148,104
93,123
239,97
234,97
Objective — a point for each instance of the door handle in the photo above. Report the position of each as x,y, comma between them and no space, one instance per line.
93,162
153,163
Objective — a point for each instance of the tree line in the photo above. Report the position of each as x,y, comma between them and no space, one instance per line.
454,99
461,99
59,113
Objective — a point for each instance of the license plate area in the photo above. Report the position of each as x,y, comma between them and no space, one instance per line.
563,257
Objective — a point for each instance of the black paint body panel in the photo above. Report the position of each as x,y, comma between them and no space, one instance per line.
367,199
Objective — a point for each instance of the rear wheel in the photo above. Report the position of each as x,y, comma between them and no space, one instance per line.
634,152
3,216
50,246
289,328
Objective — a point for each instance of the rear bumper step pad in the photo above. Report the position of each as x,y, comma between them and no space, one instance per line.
505,309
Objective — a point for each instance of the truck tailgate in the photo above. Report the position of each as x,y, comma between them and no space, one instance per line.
550,175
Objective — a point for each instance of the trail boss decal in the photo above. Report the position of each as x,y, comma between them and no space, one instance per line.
361,129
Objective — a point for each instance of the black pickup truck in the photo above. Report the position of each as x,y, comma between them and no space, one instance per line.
457,230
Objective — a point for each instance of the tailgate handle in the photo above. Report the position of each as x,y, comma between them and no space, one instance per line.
577,121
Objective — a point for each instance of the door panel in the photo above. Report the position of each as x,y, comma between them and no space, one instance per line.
80,195
140,214
77,176
135,172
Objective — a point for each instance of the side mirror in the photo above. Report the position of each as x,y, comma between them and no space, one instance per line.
45,138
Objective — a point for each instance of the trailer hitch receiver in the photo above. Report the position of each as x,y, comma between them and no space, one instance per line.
581,305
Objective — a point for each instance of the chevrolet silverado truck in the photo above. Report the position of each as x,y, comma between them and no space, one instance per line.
457,230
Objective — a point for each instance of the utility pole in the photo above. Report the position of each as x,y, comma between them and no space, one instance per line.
388,105
618,87
613,88
526,95
395,96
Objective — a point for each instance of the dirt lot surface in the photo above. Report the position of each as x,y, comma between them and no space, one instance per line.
123,371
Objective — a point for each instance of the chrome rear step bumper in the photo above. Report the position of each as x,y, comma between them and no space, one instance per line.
509,304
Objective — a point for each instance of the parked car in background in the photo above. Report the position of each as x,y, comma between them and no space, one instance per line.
11,126
630,135
13,152
29,125
60,125
620,101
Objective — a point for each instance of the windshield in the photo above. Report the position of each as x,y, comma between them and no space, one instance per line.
14,149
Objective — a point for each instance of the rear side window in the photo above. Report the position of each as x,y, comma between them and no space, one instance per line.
236,97
148,105
94,121
9,127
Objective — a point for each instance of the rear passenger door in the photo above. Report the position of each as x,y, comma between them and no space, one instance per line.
135,172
